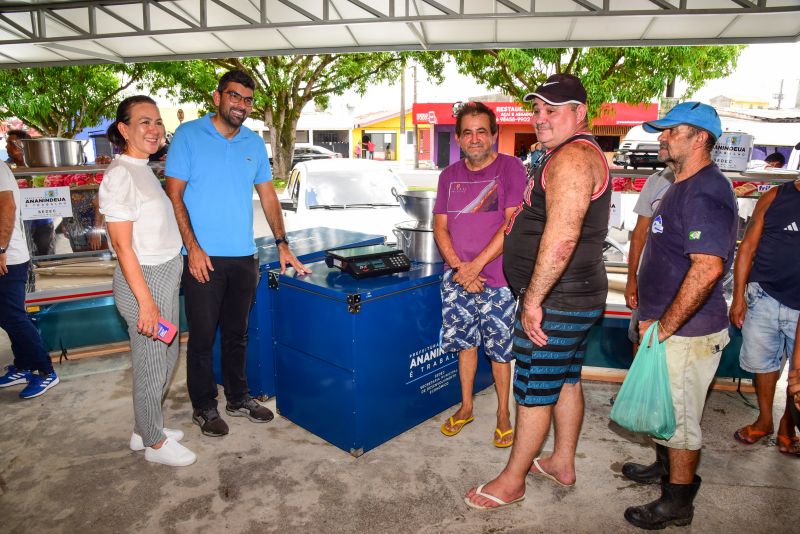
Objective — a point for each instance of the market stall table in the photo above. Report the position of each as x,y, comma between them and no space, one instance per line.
608,344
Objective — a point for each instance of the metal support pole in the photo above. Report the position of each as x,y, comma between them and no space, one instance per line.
416,127
399,149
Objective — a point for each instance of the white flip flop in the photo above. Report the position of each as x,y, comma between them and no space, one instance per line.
500,502
545,474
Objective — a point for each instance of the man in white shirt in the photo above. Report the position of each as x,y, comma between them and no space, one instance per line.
32,364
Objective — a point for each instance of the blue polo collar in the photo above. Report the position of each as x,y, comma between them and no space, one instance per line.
240,135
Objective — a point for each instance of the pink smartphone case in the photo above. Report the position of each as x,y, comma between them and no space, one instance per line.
166,330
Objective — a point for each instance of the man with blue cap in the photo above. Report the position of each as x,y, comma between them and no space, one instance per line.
689,247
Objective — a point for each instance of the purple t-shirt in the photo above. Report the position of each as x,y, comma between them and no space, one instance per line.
696,216
475,204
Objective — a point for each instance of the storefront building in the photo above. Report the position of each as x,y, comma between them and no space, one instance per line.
515,129
383,129
616,119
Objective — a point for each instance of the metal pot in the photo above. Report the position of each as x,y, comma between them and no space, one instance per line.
417,242
52,152
418,204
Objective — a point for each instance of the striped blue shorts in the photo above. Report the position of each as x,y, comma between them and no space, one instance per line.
541,372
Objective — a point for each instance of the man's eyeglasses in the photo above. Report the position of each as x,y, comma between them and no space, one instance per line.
236,98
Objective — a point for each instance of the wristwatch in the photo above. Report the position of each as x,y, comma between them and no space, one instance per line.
280,240
3,250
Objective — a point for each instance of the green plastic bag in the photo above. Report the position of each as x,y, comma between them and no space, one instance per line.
644,402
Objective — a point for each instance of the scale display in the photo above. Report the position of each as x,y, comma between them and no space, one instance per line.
367,261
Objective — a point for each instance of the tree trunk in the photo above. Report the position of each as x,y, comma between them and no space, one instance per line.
282,138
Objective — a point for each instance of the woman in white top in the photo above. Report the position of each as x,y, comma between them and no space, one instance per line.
144,234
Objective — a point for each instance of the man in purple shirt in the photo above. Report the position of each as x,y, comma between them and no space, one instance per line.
477,196
689,247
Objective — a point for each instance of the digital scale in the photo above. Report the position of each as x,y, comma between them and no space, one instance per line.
371,260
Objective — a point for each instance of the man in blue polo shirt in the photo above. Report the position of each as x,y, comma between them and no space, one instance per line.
212,166
690,246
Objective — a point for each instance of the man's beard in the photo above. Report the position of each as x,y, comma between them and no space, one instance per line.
232,120
478,157
671,162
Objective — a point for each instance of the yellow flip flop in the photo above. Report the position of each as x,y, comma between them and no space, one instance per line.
461,423
498,440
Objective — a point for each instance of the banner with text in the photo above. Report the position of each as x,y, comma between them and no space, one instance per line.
45,203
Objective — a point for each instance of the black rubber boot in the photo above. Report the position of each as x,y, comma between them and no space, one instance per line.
649,474
674,507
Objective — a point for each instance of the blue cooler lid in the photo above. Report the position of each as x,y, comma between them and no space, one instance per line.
311,243
333,283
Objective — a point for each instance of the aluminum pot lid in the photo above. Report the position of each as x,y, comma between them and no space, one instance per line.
418,193
414,226
51,139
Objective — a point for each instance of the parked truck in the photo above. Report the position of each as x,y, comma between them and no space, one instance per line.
638,149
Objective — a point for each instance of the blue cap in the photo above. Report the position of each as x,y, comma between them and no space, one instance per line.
691,113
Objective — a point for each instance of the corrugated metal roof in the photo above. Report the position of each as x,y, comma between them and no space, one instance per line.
40,33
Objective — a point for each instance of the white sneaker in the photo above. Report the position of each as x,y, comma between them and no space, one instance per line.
171,453
138,445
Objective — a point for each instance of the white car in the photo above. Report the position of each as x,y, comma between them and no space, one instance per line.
306,152
351,194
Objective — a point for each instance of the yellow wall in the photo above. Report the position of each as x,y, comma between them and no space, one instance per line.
750,104
392,124
170,116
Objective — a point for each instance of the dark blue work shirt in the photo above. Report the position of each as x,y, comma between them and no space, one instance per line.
696,216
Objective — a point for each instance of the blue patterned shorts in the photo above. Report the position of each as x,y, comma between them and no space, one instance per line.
469,319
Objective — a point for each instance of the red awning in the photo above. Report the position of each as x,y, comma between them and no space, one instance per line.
442,113
433,113
618,114
613,114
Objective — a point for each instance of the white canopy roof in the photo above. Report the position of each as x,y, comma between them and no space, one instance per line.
53,32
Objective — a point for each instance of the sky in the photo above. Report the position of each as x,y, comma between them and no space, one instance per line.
759,72
758,75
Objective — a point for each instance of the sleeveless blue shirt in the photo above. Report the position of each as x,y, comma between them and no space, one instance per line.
776,266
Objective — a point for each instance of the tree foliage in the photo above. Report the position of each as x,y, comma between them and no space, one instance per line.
631,74
61,101
284,85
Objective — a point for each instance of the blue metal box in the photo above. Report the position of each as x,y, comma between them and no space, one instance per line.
308,245
358,361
